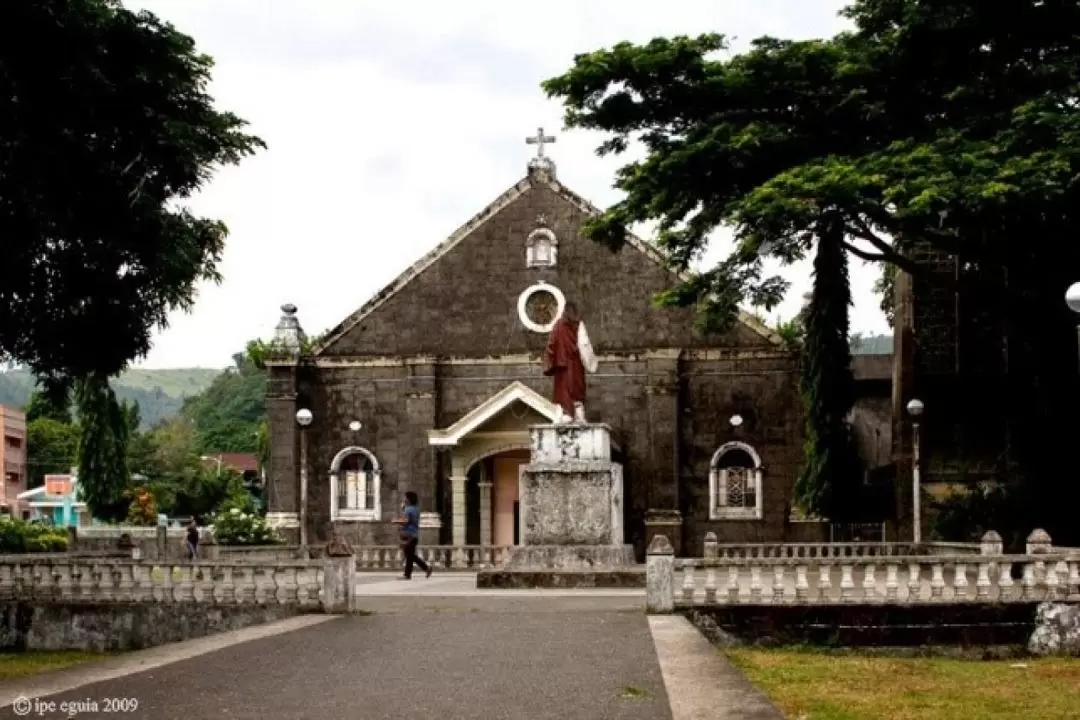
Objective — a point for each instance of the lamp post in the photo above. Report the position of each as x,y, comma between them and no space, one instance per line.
303,419
1072,299
915,409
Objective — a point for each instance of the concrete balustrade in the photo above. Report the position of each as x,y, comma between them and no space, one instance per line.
859,573
440,557
59,579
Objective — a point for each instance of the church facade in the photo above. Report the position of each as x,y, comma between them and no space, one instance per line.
432,384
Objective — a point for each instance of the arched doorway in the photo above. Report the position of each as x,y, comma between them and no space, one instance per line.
492,497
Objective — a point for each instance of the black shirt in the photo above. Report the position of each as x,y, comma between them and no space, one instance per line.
193,535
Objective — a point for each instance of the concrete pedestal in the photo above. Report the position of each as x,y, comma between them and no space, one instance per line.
571,512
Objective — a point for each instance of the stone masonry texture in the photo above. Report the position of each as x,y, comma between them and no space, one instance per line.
450,338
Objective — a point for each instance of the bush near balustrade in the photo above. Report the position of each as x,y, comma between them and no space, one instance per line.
236,527
19,536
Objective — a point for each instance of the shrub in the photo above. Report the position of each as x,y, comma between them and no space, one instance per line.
19,536
236,527
143,509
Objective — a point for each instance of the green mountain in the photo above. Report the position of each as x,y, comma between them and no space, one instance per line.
160,393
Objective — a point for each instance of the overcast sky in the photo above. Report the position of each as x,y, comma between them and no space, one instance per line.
389,124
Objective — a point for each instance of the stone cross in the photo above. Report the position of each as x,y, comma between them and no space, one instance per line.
539,141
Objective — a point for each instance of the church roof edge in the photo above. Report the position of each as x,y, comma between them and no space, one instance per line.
534,176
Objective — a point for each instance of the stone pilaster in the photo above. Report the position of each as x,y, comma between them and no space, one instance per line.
457,522
284,472
485,512
662,398
421,402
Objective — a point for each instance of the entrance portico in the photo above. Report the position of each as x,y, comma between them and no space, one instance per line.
490,443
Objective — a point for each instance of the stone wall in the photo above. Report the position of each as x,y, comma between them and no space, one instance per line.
668,416
127,626
918,626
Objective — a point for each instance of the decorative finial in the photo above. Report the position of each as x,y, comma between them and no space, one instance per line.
288,334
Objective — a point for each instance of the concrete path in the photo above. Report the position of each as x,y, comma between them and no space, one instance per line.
428,650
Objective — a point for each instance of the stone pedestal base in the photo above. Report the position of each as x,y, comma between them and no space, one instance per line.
570,557
632,577
571,509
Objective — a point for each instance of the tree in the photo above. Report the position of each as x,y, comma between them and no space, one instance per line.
51,448
950,125
829,484
103,129
49,406
227,415
102,452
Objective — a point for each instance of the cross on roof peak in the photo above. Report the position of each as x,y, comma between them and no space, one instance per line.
539,140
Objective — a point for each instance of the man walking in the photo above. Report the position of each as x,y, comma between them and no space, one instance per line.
192,540
410,535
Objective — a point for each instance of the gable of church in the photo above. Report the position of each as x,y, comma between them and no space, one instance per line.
494,286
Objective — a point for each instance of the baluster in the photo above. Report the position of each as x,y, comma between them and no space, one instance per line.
825,582
157,578
869,582
755,583
914,586
892,582
258,577
960,582
1053,585
847,583
778,588
245,588
1028,582
802,587
121,589
710,586
62,581
688,583
733,584
1074,579
7,585
458,558
1063,579
982,583
937,582
225,588
40,588
1006,587
98,586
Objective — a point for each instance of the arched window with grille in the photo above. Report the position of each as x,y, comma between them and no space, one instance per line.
735,486
355,485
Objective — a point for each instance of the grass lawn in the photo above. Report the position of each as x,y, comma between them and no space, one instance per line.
839,685
15,665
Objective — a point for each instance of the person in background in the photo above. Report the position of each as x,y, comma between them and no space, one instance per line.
409,523
192,540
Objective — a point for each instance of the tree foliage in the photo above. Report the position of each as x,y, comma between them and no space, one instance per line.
829,484
51,449
104,125
951,126
104,430
228,414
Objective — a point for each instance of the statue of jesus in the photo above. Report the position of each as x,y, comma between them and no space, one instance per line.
566,358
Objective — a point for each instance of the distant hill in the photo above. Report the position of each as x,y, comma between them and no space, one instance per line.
160,393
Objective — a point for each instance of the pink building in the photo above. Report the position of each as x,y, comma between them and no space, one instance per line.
13,460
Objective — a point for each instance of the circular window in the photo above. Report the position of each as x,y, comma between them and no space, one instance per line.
539,306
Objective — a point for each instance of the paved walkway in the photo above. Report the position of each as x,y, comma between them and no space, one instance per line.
430,649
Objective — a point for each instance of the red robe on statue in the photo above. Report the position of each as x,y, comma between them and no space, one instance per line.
562,361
